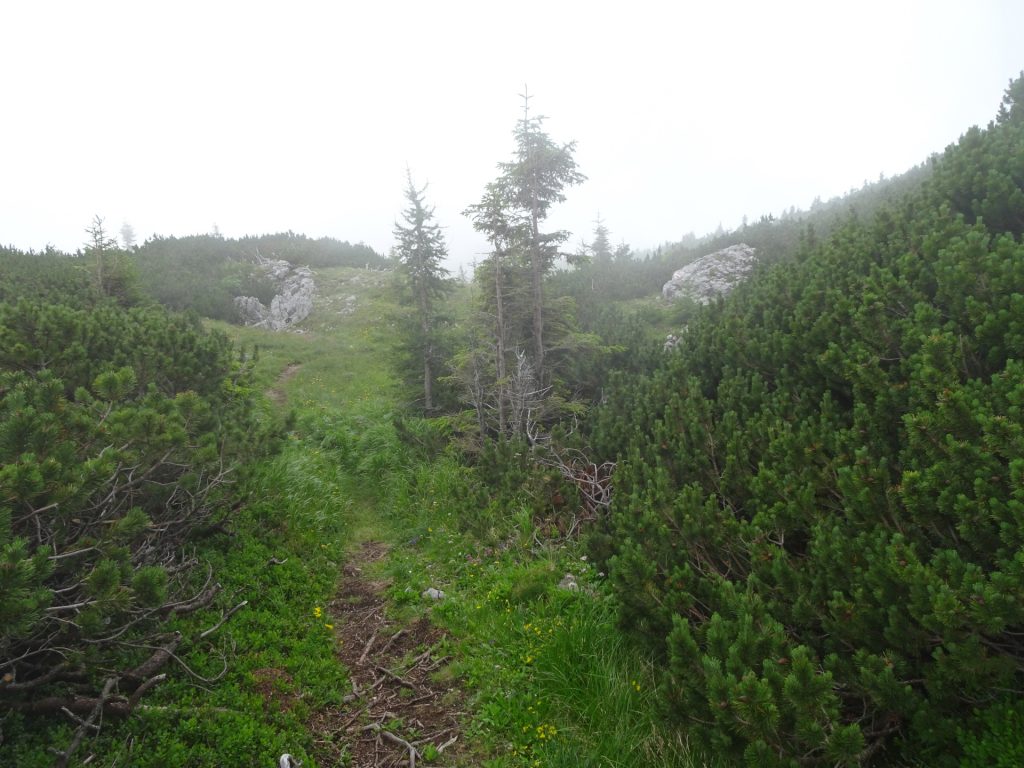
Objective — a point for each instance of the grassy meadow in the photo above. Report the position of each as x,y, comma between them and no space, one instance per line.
546,680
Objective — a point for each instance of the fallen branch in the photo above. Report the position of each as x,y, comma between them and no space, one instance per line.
397,678
160,657
432,736
436,664
113,706
420,699
201,600
399,741
421,658
89,724
56,673
344,726
223,618
369,645
391,641
141,690
396,740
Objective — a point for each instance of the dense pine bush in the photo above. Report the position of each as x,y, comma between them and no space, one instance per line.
120,433
819,506
205,273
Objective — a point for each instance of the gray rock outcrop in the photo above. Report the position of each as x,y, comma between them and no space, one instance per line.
713,275
292,303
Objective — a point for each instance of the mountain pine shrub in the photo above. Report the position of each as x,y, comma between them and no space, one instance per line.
819,511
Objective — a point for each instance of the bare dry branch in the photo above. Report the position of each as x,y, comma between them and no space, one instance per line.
391,641
206,633
369,645
85,725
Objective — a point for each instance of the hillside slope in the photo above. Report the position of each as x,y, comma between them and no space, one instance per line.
818,513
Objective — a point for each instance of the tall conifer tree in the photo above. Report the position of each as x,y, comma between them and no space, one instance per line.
421,250
531,183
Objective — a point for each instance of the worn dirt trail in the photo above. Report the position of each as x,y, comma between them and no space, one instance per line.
276,393
401,701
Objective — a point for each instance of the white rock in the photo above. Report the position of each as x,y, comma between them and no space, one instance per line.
291,305
432,594
713,275
568,582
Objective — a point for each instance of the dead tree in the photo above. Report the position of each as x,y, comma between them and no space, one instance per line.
593,482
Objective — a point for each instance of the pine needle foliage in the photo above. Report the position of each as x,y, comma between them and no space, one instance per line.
817,521
421,250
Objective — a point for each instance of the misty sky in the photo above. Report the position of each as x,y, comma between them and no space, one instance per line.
264,117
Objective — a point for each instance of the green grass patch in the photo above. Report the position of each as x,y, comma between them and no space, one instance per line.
551,680
343,347
279,651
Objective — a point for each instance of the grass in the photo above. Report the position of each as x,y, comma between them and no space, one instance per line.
342,348
281,656
552,682
549,680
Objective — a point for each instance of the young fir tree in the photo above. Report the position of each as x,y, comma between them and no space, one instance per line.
530,184
490,217
420,250
113,274
601,248
511,213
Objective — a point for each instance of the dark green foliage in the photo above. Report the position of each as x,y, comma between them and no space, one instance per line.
50,276
120,429
818,510
420,250
206,272
81,346
999,742
631,276
312,252
201,272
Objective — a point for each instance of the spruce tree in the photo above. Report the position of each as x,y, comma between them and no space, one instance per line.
421,249
530,184
601,248
113,273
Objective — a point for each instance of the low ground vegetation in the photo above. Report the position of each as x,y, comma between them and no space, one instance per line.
810,554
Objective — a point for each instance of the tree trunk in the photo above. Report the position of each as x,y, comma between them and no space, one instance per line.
428,404
500,341
425,329
537,277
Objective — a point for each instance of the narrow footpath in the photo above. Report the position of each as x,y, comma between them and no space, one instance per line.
403,710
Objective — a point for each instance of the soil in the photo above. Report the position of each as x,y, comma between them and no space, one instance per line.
276,393
402,699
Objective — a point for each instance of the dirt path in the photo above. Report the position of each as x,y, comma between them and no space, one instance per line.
401,700
276,393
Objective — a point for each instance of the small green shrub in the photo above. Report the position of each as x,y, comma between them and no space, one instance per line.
995,737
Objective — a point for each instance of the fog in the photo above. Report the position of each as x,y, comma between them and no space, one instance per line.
258,117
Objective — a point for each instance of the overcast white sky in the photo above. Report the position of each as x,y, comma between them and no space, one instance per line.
263,117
